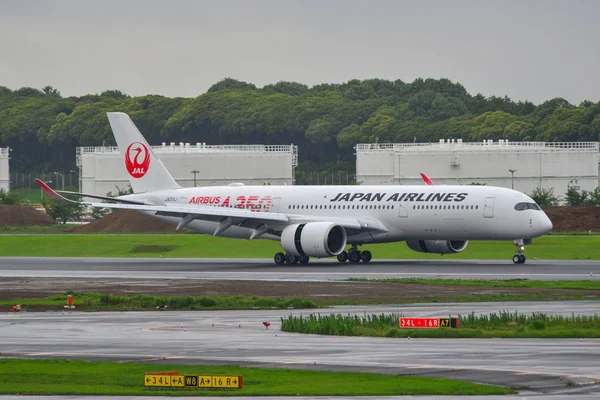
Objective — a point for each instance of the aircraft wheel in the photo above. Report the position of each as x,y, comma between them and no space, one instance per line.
279,258
291,259
354,256
342,257
517,259
304,260
366,256
523,258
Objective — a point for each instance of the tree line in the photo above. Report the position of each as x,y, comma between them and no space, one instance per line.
326,121
546,197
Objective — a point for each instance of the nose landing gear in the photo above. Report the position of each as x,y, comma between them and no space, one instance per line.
519,257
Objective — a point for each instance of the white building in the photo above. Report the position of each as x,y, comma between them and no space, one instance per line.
522,165
4,169
101,169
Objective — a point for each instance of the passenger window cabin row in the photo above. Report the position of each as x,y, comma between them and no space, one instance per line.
381,207
520,206
446,207
342,207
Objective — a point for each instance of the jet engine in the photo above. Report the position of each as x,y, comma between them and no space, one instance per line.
437,246
316,239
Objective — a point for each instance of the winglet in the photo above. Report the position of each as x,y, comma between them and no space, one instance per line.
50,192
428,181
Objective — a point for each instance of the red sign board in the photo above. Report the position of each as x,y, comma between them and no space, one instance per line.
419,323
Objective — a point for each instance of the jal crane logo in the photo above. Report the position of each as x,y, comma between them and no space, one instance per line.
137,159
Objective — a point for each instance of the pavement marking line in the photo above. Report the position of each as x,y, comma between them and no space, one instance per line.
462,367
151,359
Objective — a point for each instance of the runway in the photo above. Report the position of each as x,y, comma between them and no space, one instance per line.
265,269
239,337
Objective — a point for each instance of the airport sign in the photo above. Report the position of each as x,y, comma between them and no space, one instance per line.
173,380
423,323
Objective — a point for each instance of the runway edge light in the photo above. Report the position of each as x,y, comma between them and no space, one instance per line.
70,302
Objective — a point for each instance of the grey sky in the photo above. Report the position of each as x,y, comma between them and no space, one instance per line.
535,50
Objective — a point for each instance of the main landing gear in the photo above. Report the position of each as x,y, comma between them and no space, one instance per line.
355,256
519,257
281,259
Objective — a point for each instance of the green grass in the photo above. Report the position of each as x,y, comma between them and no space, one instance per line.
496,325
107,302
465,298
63,377
198,246
99,301
508,283
586,233
56,228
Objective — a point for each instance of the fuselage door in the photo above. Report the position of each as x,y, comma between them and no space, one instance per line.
402,212
488,210
275,204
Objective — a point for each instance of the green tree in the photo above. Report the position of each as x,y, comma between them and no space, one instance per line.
519,131
231,84
9,198
545,197
594,196
563,125
61,211
492,125
43,128
288,88
575,197
349,136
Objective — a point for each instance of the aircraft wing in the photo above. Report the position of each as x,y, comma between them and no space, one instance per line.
238,217
93,196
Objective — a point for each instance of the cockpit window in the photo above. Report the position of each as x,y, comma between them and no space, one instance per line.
526,206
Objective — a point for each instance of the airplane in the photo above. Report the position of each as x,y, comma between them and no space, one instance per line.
322,221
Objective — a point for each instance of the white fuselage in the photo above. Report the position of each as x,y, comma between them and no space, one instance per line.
450,212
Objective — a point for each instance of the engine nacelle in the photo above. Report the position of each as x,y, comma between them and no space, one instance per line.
437,246
316,239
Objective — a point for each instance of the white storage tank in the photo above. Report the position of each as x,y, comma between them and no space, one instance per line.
102,170
4,169
522,165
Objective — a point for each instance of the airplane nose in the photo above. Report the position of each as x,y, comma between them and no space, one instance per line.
545,225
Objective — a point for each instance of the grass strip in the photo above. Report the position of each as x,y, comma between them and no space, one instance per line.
508,283
206,246
37,229
504,324
460,298
68,377
92,301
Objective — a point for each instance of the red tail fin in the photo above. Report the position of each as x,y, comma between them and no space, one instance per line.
428,181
